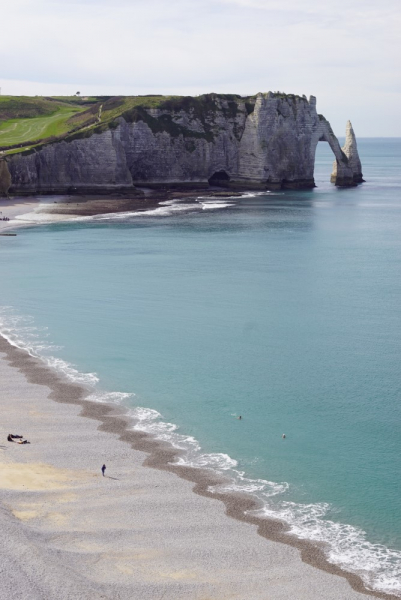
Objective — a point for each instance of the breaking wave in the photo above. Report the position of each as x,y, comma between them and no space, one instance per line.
21,333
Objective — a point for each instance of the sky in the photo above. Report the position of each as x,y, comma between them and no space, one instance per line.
347,53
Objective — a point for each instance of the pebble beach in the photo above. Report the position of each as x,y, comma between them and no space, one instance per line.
139,532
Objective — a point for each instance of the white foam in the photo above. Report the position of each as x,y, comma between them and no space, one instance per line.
347,546
265,488
256,194
149,421
20,332
41,217
167,208
110,397
217,461
214,205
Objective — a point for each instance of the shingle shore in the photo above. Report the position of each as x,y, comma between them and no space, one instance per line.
140,533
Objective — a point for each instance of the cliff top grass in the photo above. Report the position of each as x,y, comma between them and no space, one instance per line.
28,123
25,120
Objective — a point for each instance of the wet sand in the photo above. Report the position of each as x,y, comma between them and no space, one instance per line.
24,211
140,532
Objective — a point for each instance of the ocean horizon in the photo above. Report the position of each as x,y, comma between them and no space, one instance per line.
280,307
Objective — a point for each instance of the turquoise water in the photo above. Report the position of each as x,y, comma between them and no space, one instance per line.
281,307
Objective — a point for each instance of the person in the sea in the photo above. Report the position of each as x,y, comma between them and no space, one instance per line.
283,436
103,469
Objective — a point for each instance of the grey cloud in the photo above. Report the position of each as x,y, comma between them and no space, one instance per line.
335,51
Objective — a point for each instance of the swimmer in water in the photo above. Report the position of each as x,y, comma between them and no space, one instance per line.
240,417
283,436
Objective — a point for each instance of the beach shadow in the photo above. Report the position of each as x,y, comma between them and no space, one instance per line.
115,478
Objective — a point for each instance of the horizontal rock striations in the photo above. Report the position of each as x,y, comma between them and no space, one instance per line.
266,141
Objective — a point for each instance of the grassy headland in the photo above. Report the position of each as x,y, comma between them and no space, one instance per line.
29,123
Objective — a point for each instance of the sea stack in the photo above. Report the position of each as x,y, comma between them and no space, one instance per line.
340,176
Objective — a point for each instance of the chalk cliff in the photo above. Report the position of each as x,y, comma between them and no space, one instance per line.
267,141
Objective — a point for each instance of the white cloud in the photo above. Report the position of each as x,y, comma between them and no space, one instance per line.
346,53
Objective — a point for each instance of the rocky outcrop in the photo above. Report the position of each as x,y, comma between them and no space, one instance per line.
5,178
265,142
349,171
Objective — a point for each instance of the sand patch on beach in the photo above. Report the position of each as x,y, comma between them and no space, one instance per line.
56,519
25,515
66,498
35,476
183,574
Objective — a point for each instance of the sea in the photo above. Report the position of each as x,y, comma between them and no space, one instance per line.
281,307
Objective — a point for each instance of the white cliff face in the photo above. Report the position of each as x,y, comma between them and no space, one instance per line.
92,162
279,142
271,144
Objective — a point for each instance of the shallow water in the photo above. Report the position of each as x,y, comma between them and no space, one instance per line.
281,307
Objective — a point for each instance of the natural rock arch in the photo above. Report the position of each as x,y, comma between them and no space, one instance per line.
347,168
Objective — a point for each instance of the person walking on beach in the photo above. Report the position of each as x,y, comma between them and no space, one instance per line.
103,469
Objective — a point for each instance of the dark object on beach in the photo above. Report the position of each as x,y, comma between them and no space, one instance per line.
11,437
23,442
103,469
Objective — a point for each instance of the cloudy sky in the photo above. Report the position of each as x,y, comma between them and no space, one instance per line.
345,52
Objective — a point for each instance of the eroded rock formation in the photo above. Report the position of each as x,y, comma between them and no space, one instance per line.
348,171
267,142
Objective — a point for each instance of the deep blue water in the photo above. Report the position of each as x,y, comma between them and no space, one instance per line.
281,307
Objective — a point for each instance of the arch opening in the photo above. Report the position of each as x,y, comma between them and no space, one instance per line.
219,179
323,162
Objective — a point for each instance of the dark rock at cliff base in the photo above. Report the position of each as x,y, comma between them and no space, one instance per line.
5,178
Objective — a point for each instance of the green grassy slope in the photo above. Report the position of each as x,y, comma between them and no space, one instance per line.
19,131
27,123
24,107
